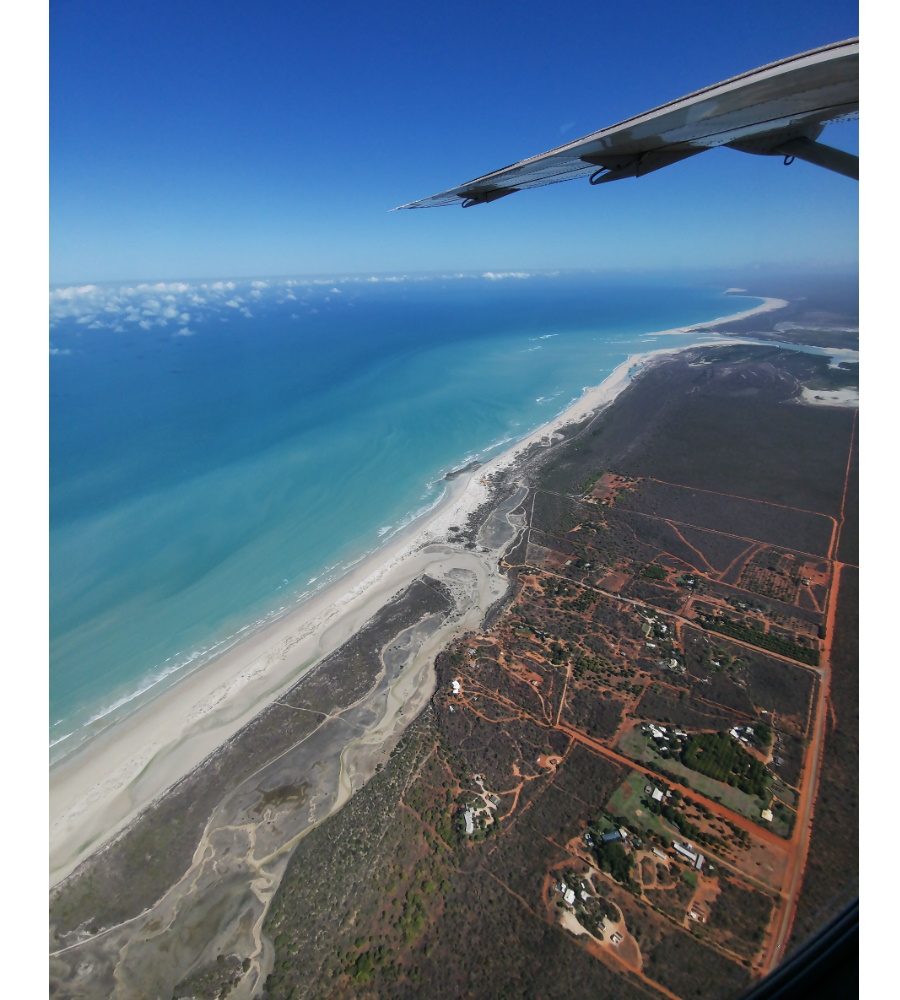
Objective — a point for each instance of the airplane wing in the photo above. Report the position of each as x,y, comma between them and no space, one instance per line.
779,109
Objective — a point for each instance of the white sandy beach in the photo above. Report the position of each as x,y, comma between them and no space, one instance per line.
99,789
767,305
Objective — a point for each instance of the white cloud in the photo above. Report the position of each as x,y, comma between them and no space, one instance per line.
73,292
185,332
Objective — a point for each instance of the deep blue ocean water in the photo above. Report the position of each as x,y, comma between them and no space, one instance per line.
219,450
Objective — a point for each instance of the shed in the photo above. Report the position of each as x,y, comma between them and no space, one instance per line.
685,853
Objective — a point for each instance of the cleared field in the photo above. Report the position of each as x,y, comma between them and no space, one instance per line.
626,802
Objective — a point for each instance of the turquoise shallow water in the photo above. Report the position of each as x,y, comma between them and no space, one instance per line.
220,450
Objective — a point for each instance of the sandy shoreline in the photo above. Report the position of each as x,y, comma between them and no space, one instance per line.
767,305
99,789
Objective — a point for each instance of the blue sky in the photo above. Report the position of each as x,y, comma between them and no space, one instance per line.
232,139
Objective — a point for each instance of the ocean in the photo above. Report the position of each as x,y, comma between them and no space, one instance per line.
220,450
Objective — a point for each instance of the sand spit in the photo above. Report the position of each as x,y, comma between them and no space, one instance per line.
102,787
767,305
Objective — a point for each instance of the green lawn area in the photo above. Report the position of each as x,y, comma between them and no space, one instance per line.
637,746
626,802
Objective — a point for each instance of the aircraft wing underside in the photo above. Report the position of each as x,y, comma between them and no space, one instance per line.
779,109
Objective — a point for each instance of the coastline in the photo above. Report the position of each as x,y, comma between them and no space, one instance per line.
767,305
100,788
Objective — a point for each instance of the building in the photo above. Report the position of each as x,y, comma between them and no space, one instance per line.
657,795
767,815
469,817
569,897
685,851
608,838
455,687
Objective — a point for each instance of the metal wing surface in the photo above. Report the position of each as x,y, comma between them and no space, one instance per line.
763,111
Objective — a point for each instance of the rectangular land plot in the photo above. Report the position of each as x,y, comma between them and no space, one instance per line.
635,745
733,515
754,680
739,917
